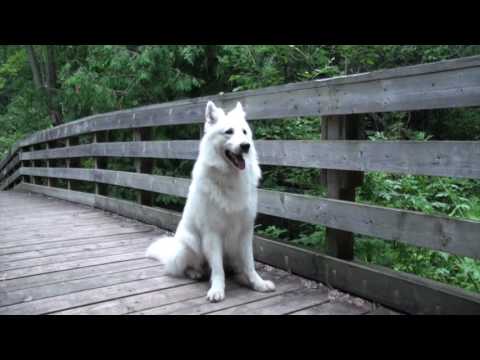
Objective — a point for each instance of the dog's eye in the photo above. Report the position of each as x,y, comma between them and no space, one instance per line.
229,132
245,131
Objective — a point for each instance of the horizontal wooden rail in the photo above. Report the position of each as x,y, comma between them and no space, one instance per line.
459,159
160,184
445,84
442,233
178,149
398,290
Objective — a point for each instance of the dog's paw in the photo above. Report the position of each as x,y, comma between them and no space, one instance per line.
264,286
215,295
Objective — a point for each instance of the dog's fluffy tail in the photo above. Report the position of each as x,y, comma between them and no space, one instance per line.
170,252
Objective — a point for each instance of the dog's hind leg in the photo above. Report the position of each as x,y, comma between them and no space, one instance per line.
176,255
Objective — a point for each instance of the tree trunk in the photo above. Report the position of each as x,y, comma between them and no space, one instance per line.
46,81
51,84
32,59
51,68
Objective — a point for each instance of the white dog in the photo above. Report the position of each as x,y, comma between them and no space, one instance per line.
217,223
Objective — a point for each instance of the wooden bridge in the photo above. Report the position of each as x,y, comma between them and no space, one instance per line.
67,250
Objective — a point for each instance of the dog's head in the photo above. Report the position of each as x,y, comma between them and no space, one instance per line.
229,136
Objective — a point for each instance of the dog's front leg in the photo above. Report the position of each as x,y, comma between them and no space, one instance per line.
214,254
247,275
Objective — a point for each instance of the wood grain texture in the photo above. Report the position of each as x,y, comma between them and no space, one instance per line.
92,282
236,295
74,264
281,304
7,265
63,276
85,297
20,252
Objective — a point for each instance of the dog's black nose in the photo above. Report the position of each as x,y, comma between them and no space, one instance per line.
245,147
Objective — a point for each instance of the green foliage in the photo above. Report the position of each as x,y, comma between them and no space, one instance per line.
272,232
11,67
256,66
315,239
431,195
460,271
361,58
115,77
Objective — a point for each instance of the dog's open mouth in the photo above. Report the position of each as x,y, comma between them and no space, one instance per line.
237,160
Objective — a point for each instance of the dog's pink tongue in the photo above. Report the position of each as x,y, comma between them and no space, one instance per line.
241,163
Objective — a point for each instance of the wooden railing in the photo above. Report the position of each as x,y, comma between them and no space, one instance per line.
447,84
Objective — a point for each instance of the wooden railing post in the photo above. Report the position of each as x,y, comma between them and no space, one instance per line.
68,163
144,166
21,163
71,162
340,184
100,162
49,163
33,180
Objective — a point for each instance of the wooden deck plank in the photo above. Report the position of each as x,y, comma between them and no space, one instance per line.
78,255
280,304
84,218
237,296
57,228
67,287
183,300
74,274
40,215
35,235
63,217
48,268
63,302
139,302
67,248
334,308
25,249
84,234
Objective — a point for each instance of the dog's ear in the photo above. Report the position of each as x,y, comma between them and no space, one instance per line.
212,114
239,109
